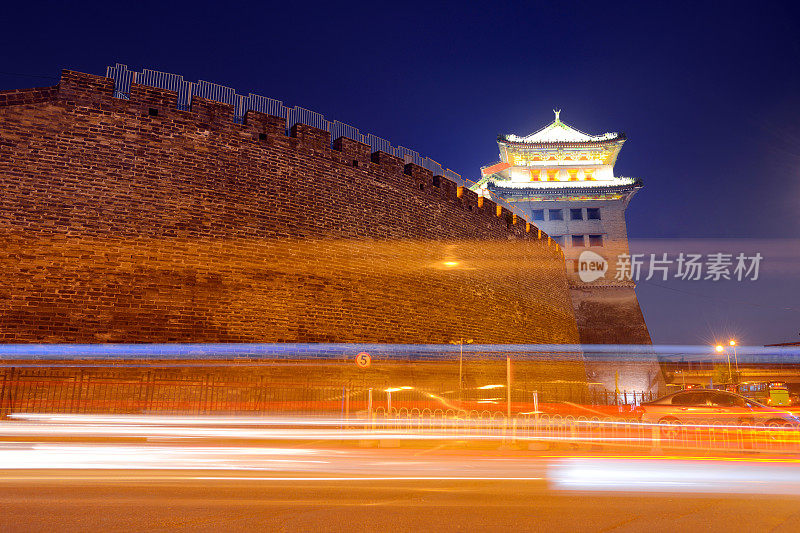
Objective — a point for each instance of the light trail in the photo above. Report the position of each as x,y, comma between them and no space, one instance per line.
135,354
377,478
266,478
603,474
212,420
31,442
669,475
603,432
311,463
136,457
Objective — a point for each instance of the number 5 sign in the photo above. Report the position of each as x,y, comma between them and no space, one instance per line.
363,360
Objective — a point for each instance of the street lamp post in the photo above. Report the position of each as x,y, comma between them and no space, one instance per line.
460,342
720,348
735,357
683,377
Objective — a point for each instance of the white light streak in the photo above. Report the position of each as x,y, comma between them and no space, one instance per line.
674,476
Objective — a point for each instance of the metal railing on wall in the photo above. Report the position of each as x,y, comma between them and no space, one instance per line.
123,78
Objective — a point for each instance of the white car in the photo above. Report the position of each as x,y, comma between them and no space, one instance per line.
708,406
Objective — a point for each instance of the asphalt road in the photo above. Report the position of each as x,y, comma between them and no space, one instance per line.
154,474
161,500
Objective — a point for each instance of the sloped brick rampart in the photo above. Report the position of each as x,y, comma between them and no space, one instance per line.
132,221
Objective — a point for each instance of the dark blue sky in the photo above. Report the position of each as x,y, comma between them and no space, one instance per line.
708,93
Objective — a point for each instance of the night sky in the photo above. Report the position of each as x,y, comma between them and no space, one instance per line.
708,94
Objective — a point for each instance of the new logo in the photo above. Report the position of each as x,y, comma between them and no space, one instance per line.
591,266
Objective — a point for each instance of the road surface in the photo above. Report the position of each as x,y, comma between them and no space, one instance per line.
131,474
116,500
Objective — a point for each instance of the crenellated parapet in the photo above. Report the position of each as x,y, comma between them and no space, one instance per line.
169,96
272,120
186,92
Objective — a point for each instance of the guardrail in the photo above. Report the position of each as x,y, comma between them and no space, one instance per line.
363,420
126,391
608,432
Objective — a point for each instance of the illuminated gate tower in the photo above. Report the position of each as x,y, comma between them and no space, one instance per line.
563,179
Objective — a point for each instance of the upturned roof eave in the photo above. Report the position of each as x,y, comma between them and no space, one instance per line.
619,138
557,191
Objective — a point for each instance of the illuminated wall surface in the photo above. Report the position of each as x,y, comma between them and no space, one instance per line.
133,221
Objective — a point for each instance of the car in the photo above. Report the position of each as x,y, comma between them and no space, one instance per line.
709,406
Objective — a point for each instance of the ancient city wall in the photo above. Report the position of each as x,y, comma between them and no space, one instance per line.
134,221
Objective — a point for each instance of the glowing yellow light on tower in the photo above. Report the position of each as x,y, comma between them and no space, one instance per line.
719,347
732,342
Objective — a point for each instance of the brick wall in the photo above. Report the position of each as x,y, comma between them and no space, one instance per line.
609,315
132,221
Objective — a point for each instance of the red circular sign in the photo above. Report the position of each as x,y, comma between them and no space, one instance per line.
363,360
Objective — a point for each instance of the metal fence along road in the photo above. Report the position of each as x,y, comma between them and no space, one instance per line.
37,390
581,431
391,413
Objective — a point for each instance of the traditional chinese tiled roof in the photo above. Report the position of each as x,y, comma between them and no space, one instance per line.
558,132
494,167
571,188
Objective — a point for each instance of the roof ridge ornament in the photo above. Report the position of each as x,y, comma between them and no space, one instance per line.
558,114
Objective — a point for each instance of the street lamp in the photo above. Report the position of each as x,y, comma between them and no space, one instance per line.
735,357
683,377
720,348
460,343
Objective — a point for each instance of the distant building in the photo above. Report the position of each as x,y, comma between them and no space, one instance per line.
786,344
